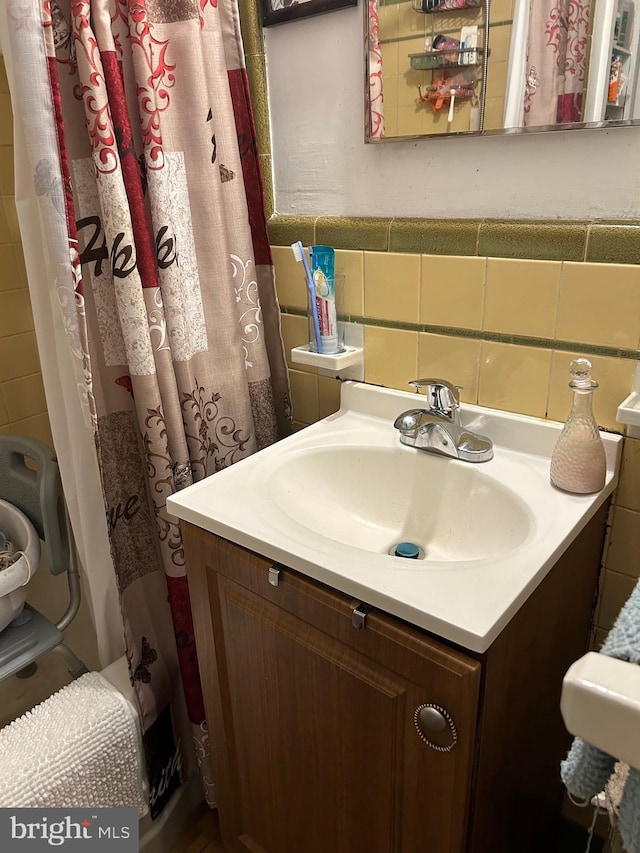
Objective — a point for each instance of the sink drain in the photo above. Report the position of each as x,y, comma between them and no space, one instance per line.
407,550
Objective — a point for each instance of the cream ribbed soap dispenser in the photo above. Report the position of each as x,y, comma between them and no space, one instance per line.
578,462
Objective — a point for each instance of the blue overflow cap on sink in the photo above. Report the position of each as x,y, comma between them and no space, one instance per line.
407,549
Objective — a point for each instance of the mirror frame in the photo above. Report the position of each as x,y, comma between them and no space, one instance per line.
511,131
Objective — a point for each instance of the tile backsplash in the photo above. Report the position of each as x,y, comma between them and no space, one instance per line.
505,328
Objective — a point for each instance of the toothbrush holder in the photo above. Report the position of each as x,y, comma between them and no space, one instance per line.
329,304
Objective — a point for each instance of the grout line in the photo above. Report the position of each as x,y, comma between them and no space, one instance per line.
27,418
22,376
549,386
479,334
14,334
556,315
587,237
485,291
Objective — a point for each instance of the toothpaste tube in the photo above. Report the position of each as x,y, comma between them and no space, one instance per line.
322,270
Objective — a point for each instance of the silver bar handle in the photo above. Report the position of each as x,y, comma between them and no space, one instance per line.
443,397
359,615
274,575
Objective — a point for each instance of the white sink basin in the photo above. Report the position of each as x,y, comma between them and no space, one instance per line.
381,496
332,500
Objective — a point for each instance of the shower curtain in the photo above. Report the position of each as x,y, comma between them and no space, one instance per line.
140,202
375,105
556,61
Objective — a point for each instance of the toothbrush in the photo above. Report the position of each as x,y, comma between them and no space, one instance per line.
300,255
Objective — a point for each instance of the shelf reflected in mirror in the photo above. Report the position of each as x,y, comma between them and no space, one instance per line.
469,67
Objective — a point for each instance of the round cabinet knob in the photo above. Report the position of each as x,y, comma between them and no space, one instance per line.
431,719
434,718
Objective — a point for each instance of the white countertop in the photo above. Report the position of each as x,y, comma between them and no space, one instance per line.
468,601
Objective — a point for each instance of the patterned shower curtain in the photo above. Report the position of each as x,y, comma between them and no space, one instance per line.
167,296
375,104
556,61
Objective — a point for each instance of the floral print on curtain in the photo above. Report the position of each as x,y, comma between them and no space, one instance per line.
177,324
556,59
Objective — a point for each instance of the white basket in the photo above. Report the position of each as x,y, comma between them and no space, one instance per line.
14,579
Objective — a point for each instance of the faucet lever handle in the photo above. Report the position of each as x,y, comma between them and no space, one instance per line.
443,383
409,421
443,397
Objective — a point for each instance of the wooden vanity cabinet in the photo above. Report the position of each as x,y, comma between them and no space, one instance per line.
315,724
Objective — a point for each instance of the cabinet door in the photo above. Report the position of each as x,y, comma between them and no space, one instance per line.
312,721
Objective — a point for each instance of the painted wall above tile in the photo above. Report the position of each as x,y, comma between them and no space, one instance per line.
323,167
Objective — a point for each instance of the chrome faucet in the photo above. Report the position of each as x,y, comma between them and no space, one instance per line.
437,426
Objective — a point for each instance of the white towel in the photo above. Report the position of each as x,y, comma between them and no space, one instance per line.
79,748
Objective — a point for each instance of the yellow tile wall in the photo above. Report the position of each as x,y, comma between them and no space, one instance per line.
23,408
465,303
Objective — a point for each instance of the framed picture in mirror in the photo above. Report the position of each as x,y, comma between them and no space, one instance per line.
280,11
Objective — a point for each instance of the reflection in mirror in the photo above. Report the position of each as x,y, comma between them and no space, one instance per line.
439,67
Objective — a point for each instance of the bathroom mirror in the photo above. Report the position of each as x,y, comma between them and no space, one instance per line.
444,67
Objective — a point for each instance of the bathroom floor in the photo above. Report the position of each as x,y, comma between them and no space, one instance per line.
569,837
202,835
